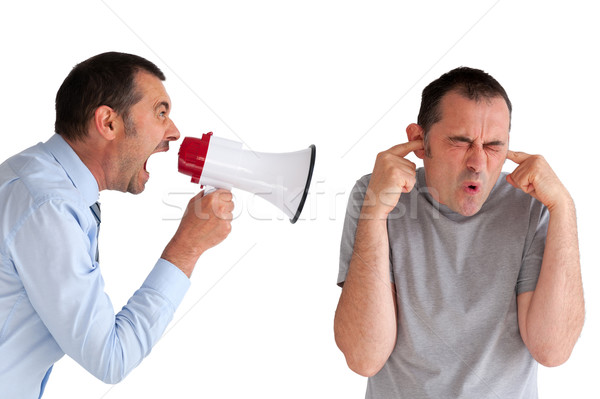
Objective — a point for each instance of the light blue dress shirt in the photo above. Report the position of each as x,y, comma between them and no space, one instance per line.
52,298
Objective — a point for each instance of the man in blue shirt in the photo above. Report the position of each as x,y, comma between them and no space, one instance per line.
112,113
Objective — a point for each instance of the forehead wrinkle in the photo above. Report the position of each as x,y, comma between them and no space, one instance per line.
484,129
483,124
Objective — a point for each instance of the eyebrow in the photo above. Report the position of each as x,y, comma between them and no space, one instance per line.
162,104
464,139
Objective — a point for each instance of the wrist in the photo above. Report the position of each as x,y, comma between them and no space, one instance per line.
374,213
182,256
565,204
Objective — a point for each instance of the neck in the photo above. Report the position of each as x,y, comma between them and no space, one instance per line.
91,154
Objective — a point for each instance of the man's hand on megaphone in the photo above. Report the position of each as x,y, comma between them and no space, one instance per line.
205,223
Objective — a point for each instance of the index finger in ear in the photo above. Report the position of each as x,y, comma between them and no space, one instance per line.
516,156
404,149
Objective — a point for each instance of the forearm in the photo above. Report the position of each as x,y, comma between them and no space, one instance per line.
365,320
556,311
182,254
112,345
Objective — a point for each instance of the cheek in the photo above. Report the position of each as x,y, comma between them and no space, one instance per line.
450,161
446,163
440,173
136,152
496,160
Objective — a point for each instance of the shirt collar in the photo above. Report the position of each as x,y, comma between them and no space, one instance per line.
80,175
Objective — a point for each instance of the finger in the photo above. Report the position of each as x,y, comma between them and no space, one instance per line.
521,179
221,208
511,181
224,215
198,196
407,188
517,156
404,149
224,195
219,195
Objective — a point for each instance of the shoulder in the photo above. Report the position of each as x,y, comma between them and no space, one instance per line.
32,181
35,176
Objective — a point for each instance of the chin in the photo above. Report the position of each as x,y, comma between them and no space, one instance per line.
468,208
135,190
138,183
470,212
136,187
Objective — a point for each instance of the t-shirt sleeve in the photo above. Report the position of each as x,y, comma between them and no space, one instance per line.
534,249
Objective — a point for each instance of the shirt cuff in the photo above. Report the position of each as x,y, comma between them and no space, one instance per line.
169,280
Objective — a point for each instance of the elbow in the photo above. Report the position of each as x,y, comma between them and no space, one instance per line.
118,374
366,349
551,350
551,355
363,361
111,379
551,358
365,367
111,376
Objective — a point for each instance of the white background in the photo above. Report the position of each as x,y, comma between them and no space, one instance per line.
346,76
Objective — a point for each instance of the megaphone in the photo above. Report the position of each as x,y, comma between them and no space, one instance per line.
280,178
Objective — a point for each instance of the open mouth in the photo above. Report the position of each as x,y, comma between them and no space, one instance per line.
472,188
163,148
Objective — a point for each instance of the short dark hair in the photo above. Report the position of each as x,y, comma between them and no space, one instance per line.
104,79
471,83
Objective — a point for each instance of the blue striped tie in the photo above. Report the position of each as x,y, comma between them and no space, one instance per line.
95,208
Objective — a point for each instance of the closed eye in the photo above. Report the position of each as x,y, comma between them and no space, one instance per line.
493,148
460,141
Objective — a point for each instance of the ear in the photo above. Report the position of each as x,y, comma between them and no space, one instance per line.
107,122
415,132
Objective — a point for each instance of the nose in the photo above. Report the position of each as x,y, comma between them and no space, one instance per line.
172,133
476,159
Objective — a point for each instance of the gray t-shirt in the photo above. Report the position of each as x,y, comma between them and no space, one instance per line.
457,279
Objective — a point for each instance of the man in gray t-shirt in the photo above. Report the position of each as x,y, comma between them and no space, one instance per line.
458,279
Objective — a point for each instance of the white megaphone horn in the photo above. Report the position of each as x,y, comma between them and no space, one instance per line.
282,179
